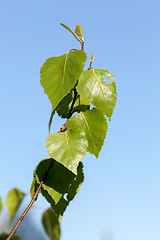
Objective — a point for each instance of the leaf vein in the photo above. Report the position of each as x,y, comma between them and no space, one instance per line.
88,129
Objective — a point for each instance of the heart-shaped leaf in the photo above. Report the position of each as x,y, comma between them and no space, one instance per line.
69,147
60,74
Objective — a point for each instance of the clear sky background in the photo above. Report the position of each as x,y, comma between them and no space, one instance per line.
120,197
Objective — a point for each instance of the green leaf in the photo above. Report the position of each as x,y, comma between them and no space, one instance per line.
69,194
4,236
13,200
0,204
82,104
95,127
59,182
63,107
110,76
60,74
92,85
34,187
63,25
51,224
16,238
69,147
58,179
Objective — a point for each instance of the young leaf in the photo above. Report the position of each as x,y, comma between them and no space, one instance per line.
63,25
60,74
0,204
96,127
78,30
58,179
51,224
92,85
13,200
69,194
69,147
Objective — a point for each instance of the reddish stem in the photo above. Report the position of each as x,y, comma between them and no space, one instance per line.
25,212
72,50
82,45
90,66
31,202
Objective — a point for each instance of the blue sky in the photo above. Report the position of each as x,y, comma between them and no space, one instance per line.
120,198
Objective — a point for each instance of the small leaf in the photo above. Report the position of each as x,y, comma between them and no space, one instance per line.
70,193
92,85
13,200
63,25
60,74
4,237
51,224
0,204
69,147
78,30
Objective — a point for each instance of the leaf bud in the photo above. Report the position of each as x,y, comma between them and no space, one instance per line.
78,30
92,58
82,38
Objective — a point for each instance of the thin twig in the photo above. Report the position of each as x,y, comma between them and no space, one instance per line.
82,45
25,212
90,66
31,202
73,102
72,50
